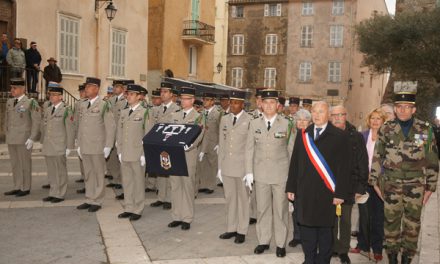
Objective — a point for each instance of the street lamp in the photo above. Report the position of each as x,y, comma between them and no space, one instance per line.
219,67
350,84
110,10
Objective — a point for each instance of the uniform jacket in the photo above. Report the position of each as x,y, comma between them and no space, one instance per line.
268,152
22,121
158,116
232,145
96,128
117,106
406,157
57,130
211,136
131,129
313,200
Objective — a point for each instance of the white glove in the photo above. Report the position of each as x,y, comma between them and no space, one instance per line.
116,143
142,160
29,143
186,147
67,152
201,155
79,153
249,180
120,157
107,152
216,149
219,176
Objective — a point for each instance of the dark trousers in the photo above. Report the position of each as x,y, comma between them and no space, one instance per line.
317,244
371,219
342,245
296,233
32,80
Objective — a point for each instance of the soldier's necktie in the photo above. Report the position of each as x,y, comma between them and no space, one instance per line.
164,109
206,113
184,115
88,106
15,101
268,125
129,112
235,120
116,99
53,110
318,129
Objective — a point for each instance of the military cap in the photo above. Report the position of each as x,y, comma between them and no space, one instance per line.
293,100
238,95
258,92
118,82
307,101
209,95
198,102
187,91
224,97
405,98
175,91
93,80
269,94
156,93
53,84
166,85
110,89
17,82
58,89
134,88
81,87
144,91
127,82
282,100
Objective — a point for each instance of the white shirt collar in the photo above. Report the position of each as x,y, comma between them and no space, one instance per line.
188,111
21,97
93,100
120,96
167,105
135,107
270,120
238,115
209,110
322,130
58,105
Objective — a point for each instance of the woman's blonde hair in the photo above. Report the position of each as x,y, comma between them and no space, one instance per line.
379,111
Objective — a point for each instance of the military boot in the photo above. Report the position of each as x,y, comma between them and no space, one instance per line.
406,259
392,258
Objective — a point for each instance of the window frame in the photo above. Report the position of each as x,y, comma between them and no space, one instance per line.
333,77
277,12
271,46
338,7
237,81
308,40
307,10
63,39
305,73
123,47
334,34
237,48
269,80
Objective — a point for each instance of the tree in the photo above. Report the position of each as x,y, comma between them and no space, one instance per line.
409,46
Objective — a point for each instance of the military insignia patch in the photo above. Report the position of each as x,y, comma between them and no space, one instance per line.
165,161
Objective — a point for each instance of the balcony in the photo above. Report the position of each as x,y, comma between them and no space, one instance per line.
199,33
243,2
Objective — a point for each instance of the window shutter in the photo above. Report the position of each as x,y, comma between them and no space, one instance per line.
278,9
266,9
234,11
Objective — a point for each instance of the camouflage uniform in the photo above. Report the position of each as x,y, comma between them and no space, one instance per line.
404,168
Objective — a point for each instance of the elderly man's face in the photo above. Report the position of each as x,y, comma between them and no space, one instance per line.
404,112
339,117
320,114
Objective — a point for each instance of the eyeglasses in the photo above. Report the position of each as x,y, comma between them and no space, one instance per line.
404,107
339,115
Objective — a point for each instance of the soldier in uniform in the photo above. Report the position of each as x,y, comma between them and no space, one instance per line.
96,137
155,96
76,116
404,173
162,114
22,119
182,187
268,149
307,104
281,105
59,137
293,107
224,103
208,158
132,127
232,143
198,105
258,112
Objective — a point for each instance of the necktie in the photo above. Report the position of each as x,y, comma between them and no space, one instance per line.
129,112
116,99
268,125
15,101
184,115
88,106
53,110
318,129
164,109
235,120
206,113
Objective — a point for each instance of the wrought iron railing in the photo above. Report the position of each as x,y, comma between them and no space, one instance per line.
198,29
235,2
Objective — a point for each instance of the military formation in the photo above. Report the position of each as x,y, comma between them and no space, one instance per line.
249,154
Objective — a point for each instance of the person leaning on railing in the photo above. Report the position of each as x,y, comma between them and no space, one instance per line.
16,59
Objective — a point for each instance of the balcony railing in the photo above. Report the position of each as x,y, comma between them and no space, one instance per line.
239,2
198,32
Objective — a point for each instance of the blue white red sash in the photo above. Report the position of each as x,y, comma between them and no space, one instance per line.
319,162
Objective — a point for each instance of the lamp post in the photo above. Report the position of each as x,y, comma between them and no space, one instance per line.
110,10
350,84
219,67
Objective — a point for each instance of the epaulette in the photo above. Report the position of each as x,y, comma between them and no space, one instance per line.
177,111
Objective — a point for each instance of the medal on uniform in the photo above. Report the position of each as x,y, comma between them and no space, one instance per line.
338,214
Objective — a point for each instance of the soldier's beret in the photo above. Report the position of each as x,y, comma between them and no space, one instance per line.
307,101
59,90
155,93
81,87
198,102
238,95
93,80
134,88
282,100
166,85
209,95
294,100
269,94
17,82
405,98
187,91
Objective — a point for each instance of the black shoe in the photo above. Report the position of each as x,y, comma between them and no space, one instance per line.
149,190
335,254
13,192
93,208
175,224
208,191
110,185
118,186
294,242
83,206
108,177
46,186
124,215
57,200
261,248
157,204
281,252
354,233
22,193
48,199
344,259
228,235
80,180
252,221
135,217
239,238
202,190
406,259
220,184
392,258
120,197
185,226
83,190
166,206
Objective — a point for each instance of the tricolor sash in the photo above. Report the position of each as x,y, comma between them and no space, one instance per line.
319,162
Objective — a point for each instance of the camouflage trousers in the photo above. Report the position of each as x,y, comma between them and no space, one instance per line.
403,209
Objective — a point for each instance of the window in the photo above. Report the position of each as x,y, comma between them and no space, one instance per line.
118,46
307,8
272,10
69,44
336,35
237,11
334,72
192,60
237,77
306,36
238,44
305,71
270,77
271,44
338,7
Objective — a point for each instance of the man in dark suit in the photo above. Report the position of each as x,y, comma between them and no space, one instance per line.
318,190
